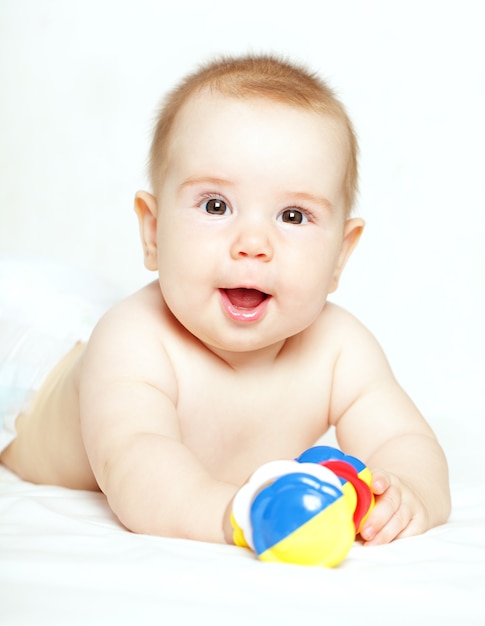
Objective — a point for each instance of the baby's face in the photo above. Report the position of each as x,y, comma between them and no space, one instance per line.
250,219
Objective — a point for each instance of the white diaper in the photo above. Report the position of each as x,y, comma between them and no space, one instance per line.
45,309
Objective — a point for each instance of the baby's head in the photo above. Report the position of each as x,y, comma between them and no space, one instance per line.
249,77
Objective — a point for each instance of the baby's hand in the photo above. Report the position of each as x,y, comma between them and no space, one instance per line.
398,511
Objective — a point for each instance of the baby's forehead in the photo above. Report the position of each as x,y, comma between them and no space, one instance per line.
208,103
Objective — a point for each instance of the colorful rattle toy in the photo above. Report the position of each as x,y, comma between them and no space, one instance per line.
306,511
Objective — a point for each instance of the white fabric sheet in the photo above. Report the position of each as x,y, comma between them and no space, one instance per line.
65,560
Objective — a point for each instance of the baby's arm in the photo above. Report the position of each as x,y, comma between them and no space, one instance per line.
152,481
376,421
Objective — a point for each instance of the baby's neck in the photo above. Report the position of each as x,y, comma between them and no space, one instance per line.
250,362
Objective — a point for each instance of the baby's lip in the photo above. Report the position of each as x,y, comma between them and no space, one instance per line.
242,304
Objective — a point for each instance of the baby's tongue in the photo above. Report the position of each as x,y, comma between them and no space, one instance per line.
245,298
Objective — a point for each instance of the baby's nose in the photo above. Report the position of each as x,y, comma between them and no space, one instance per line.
253,242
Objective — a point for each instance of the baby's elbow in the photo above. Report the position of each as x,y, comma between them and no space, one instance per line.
446,507
440,511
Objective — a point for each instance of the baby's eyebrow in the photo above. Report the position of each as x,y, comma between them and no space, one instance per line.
304,197
207,180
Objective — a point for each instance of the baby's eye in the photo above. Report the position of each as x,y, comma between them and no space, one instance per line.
293,216
216,206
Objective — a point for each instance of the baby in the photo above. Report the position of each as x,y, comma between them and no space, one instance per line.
233,357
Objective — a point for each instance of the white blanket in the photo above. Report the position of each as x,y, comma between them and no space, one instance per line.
65,560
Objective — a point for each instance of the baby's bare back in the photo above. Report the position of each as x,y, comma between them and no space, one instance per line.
48,448
232,420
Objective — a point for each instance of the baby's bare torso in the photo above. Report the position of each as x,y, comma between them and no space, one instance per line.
232,420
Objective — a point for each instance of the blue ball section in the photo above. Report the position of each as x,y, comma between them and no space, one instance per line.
285,505
320,454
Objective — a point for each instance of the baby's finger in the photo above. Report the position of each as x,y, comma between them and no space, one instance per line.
380,481
395,527
383,523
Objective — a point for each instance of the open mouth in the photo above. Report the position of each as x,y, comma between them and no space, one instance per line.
244,305
245,298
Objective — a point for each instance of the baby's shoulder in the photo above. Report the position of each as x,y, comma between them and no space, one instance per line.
144,321
355,346
129,341
342,337
338,324
141,311
139,324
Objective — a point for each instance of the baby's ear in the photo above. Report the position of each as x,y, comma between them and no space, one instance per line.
146,211
352,231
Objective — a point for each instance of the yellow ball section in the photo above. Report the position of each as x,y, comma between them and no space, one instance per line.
325,540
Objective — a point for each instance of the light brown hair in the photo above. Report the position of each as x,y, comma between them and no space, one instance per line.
262,76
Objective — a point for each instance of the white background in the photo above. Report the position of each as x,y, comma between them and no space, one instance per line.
80,83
